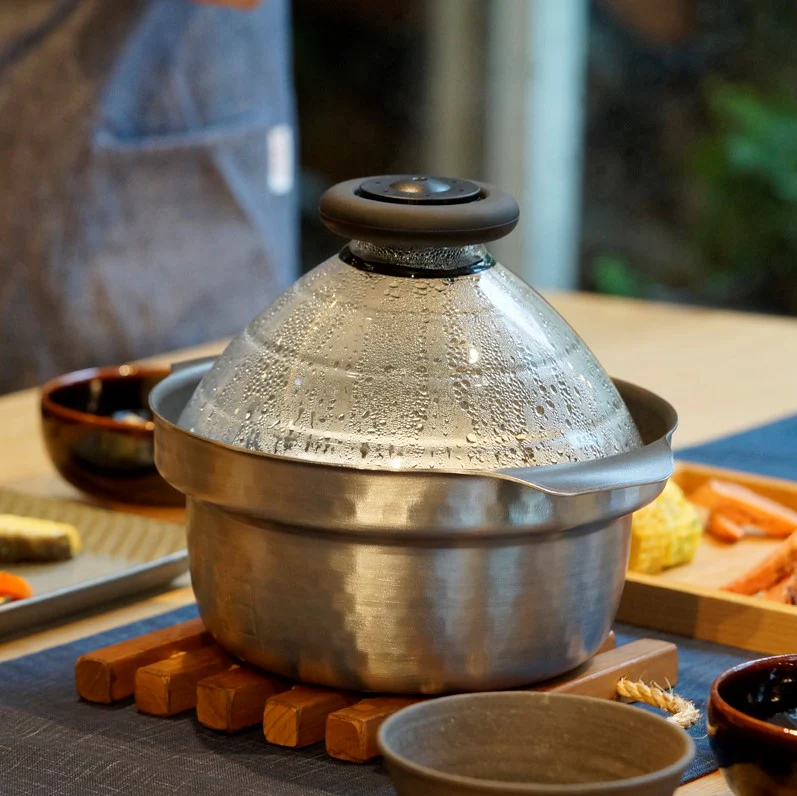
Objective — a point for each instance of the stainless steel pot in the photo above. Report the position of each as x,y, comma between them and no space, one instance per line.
408,581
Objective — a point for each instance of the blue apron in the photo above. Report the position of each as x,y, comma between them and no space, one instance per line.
147,162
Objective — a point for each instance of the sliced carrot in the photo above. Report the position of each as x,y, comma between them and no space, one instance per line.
791,590
14,587
785,591
746,507
753,531
724,528
779,564
706,496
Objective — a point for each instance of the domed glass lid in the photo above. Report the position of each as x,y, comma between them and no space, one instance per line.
413,350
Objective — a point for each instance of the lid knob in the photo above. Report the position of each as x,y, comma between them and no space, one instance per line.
407,209
420,190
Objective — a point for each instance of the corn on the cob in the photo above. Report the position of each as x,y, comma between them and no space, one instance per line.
665,533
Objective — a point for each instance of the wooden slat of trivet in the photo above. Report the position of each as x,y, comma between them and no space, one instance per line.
233,702
351,732
108,675
236,699
646,659
232,698
299,716
609,644
169,687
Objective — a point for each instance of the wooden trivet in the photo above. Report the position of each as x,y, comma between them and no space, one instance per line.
180,668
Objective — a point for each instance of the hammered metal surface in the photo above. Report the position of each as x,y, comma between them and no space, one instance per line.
407,581
433,617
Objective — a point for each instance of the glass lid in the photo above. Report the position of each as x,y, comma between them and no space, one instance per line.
413,348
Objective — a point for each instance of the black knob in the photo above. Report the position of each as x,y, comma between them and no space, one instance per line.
408,209
419,190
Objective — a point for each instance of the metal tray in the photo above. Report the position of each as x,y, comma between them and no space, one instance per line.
122,554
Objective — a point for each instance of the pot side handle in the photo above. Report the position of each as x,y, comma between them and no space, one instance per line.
651,464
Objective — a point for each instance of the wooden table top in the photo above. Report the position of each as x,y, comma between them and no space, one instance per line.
723,372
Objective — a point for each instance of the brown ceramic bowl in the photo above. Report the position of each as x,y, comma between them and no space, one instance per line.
757,756
86,420
521,743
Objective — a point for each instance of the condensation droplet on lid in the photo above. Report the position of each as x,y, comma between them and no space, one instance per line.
323,367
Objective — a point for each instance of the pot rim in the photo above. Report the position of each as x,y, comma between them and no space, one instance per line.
409,504
668,423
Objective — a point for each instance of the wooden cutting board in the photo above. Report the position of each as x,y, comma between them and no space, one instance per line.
687,599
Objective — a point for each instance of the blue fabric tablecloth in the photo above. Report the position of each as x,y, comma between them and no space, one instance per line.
766,450
52,743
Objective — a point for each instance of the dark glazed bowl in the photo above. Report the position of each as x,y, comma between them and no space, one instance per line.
105,457
521,743
757,757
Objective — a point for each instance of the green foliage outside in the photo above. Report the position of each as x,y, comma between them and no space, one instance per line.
738,191
746,169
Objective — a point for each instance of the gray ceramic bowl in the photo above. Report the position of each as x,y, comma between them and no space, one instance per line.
520,743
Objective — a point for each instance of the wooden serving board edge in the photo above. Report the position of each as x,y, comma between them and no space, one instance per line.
691,474
709,614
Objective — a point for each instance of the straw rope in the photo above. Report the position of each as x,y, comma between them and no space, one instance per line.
684,713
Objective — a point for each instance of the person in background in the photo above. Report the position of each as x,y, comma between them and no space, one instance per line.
147,197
